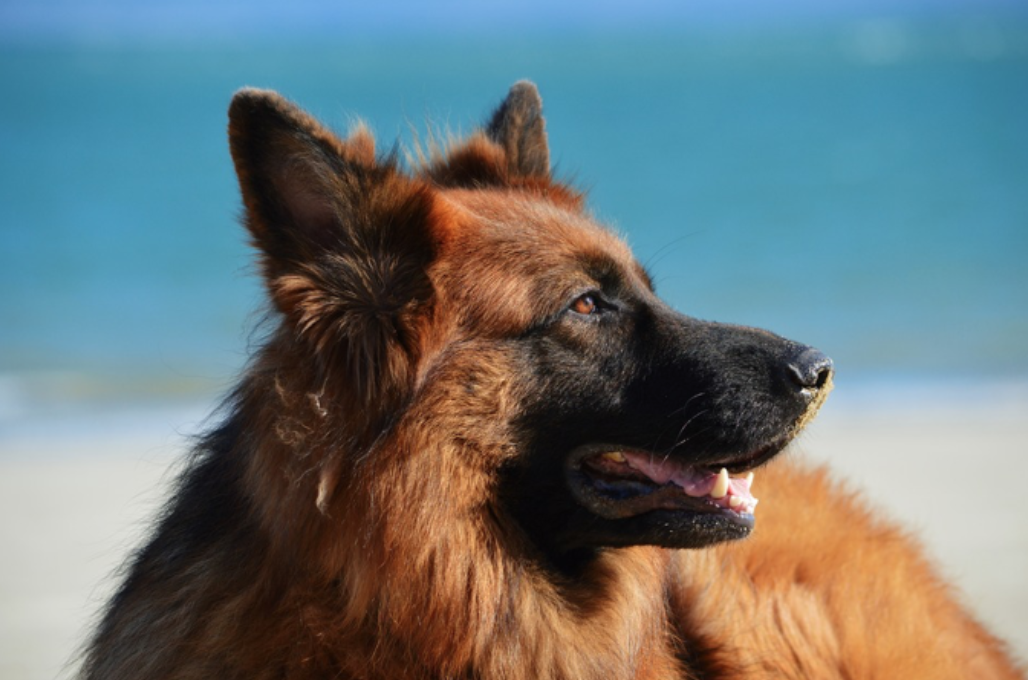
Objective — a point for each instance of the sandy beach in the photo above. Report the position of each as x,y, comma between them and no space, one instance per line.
75,494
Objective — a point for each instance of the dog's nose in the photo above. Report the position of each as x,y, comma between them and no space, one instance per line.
810,368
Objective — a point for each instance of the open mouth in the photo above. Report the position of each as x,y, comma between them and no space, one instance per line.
616,483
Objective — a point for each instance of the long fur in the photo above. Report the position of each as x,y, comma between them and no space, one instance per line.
346,521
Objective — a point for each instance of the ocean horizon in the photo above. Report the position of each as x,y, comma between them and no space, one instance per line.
860,187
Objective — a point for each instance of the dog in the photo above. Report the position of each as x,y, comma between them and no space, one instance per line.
476,444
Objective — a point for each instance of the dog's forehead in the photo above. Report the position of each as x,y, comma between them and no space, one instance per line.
533,231
510,259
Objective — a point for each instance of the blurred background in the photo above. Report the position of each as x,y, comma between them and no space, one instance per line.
854,176
851,174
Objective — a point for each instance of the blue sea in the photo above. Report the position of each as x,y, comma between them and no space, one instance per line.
860,186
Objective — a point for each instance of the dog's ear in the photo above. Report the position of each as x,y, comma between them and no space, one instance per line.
510,151
346,239
297,178
518,127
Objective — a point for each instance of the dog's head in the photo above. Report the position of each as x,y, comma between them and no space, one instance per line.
467,318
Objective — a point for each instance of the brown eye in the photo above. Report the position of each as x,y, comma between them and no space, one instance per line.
585,305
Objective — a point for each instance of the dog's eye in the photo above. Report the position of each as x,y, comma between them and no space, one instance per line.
586,304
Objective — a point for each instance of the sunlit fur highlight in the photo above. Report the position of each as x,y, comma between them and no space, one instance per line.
344,520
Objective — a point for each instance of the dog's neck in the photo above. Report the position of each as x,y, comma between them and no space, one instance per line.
455,600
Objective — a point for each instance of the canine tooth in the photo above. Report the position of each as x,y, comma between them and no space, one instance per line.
734,502
615,456
721,485
749,481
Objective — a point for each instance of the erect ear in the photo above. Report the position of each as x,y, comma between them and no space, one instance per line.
294,174
518,127
346,240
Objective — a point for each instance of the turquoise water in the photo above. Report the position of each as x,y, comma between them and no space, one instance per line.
863,188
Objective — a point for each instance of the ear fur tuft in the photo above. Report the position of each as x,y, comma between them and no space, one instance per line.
346,241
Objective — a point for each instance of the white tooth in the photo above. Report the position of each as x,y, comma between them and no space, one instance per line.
615,456
721,485
734,502
749,481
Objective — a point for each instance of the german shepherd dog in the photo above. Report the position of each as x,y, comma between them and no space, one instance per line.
476,444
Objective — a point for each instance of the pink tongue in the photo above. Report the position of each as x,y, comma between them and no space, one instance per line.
695,483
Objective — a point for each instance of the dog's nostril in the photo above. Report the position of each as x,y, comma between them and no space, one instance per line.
824,374
810,369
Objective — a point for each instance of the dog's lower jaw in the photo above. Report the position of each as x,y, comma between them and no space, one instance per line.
634,497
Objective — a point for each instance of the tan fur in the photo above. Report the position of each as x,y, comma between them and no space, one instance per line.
363,534
826,589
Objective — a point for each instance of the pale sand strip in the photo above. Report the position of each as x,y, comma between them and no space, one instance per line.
71,507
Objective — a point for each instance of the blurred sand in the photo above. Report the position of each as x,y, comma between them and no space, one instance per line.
74,500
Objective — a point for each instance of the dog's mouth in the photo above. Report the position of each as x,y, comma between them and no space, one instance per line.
615,482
